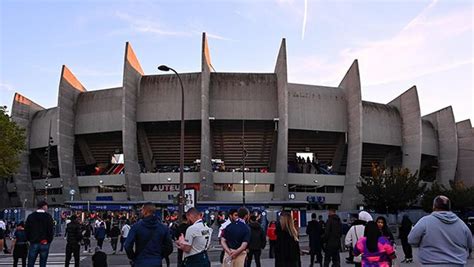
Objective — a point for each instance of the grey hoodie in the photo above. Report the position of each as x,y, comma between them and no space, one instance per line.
442,238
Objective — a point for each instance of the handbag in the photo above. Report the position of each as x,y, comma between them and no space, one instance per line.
357,259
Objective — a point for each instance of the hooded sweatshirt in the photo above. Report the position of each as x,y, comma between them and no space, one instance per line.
357,229
442,238
150,237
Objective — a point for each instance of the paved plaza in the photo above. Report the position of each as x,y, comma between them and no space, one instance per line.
56,256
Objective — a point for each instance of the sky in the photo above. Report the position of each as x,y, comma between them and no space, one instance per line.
398,44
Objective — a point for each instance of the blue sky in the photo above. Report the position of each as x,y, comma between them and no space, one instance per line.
398,44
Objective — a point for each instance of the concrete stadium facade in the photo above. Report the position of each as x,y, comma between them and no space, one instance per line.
140,121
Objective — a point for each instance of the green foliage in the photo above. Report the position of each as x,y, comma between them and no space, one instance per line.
461,196
12,142
390,191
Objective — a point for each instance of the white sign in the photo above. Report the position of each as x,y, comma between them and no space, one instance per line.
190,198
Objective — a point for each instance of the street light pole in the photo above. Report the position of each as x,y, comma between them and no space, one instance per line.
181,152
46,182
244,155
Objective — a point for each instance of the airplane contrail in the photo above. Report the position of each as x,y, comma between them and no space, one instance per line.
304,18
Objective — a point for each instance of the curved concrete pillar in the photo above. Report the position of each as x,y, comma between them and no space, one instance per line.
409,107
444,124
132,73
465,166
23,111
69,90
281,172
207,181
352,89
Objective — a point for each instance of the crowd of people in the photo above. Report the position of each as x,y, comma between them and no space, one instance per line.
441,238
308,165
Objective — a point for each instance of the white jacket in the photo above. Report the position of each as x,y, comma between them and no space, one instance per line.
354,234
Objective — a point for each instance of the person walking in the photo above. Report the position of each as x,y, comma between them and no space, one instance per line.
100,234
114,236
196,241
257,242
332,239
39,229
149,240
355,233
404,230
442,238
182,227
287,248
232,217
86,237
74,237
384,230
124,233
314,232
20,245
376,250
4,233
235,238
271,234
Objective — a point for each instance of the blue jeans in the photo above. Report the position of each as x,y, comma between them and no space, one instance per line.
35,249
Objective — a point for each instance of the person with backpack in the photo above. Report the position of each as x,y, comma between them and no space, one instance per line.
149,240
20,245
355,233
257,242
376,250
100,234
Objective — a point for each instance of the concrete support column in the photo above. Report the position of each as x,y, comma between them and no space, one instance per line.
132,73
465,168
409,108
207,181
351,86
281,172
147,153
23,110
444,124
69,90
85,151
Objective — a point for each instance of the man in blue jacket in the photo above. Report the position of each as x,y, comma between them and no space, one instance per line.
151,239
443,239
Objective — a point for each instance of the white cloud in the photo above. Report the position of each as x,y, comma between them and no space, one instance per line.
304,19
6,87
427,44
144,25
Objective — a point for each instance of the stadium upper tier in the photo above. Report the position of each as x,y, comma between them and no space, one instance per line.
296,139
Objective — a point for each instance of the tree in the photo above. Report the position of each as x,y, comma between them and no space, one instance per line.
12,142
390,191
461,196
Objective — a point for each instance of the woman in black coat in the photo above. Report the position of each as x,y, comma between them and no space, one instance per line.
405,229
287,248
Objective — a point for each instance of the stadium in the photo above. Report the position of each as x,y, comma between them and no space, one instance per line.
302,144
